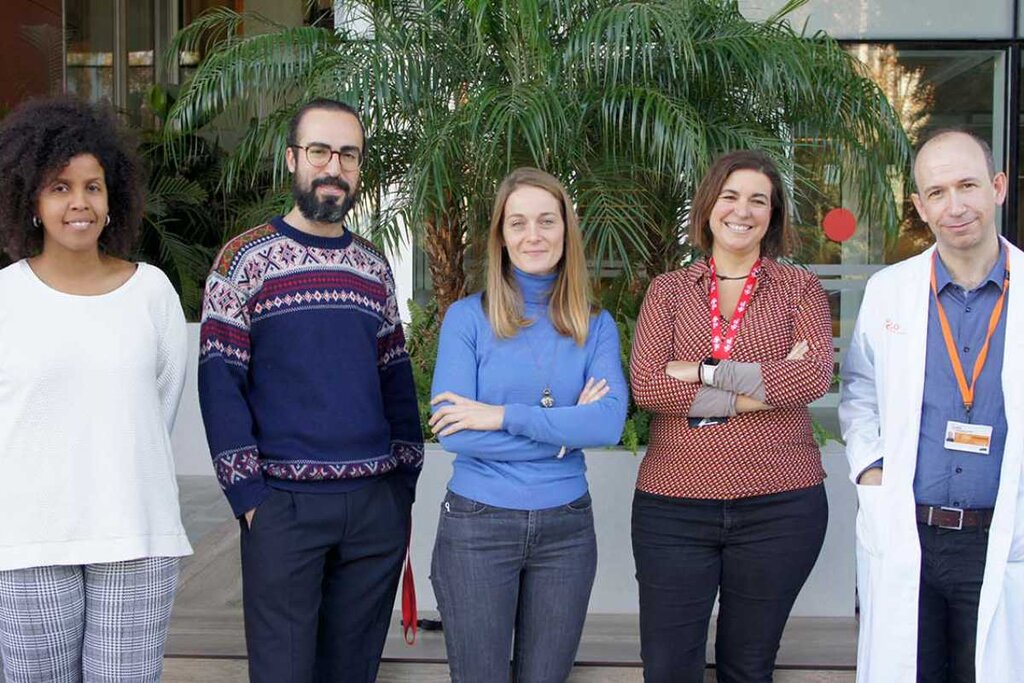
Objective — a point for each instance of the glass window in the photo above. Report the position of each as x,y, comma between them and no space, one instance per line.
928,89
91,34
896,19
1020,163
141,57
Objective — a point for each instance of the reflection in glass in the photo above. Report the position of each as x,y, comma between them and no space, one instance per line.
928,89
89,33
1020,161
90,39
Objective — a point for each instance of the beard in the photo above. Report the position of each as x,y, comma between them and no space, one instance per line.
328,209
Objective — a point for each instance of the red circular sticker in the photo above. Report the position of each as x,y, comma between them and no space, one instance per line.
839,225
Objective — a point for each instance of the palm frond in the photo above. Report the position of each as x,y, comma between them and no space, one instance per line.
247,71
628,102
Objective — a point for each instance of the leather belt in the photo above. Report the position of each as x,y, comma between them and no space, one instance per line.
953,518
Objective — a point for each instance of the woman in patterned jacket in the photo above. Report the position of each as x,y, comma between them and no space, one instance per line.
729,500
92,364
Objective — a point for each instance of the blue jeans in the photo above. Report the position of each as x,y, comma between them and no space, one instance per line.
754,553
497,571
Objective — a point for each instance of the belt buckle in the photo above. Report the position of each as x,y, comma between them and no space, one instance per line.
959,524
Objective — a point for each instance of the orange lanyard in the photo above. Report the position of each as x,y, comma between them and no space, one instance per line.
967,392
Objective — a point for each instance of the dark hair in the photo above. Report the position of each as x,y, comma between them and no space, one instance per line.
37,140
330,105
780,240
937,133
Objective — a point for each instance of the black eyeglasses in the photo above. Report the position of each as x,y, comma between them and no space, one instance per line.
319,156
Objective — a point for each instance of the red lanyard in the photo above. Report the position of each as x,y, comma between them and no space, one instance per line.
721,344
967,392
410,615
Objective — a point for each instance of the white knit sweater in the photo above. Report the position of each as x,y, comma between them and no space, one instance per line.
89,388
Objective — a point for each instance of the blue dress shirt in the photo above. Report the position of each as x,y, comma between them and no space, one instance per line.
954,478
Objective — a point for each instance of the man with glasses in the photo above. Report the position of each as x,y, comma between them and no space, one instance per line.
310,411
932,413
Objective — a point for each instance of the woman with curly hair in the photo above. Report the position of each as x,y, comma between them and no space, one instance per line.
92,364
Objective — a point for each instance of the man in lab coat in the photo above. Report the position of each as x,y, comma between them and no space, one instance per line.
932,411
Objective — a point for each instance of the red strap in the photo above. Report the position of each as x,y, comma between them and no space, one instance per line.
410,616
722,343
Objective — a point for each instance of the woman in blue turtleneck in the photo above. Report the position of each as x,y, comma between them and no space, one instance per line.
528,373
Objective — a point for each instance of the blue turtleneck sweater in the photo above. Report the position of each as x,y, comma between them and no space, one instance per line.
517,466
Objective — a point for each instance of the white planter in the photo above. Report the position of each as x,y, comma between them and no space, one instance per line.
829,591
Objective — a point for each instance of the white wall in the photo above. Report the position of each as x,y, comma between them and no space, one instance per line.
191,454
401,267
895,19
829,590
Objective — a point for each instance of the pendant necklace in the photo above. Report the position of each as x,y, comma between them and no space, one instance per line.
547,399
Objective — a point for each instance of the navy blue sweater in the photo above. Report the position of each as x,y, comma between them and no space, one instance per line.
304,381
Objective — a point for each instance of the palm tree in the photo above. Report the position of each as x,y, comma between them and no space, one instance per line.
628,102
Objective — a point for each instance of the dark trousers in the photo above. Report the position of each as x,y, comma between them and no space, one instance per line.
952,567
319,575
754,552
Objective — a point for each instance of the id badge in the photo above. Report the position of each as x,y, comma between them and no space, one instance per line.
698,422
968,438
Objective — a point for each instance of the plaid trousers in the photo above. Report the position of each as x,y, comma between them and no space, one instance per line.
97,623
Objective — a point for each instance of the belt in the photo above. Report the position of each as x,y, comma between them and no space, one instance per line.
953,518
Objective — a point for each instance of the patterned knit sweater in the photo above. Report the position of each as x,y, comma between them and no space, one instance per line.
304,381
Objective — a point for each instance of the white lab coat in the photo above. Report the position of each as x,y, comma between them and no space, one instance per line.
880,413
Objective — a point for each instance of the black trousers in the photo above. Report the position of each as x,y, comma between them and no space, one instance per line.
952,567
319,575
755,552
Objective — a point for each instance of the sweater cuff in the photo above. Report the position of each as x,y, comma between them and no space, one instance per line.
409,456
517,417
247,495
712,402
740,378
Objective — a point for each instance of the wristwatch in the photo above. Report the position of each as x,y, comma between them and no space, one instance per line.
706,370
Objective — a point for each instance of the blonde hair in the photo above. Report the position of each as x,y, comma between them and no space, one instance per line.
570,305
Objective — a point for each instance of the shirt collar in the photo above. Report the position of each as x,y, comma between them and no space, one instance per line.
996,276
